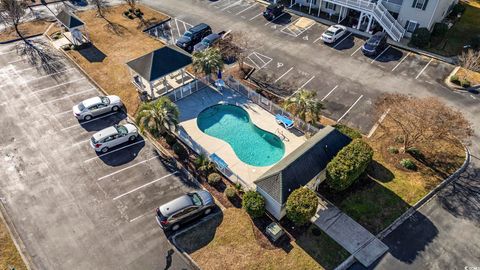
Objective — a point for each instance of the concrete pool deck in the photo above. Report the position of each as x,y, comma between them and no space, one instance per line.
192,105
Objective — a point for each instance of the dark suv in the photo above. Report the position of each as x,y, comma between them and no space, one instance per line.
193,36
375,44
184,209
273,11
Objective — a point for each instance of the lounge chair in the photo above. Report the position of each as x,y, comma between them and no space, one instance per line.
285,121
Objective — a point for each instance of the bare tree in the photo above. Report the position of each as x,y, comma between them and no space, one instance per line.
470,60
101,6
237,46
421,120
12,14
131,3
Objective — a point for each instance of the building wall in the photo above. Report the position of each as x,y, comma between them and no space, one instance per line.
272,206
315,5
434,12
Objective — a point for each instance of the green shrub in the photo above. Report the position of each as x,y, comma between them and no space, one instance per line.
439,30
420,38
392,150
455,80
350,132
348,164
180,150
458,9
130,16
301,205
408,164
238,187
475,42
413,151
253,203
214,178
230,192
126,13
170,139
466,83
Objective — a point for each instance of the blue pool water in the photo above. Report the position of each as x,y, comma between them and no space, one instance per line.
251,144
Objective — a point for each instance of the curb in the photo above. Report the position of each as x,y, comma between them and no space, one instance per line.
41,4
18,39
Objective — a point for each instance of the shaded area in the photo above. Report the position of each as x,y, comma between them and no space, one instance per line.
97,124
123,153
92,54
39,54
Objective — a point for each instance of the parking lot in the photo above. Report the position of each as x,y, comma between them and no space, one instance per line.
288,50
72,207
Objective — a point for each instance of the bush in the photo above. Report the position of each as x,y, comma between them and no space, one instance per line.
457,9
439,30
408,164
420,38
253,203
170,139
126,13
399,139
239,187
348,164
230,192
475,42
466,83
180,150
301,205
350,132
214,178
455,80
392,150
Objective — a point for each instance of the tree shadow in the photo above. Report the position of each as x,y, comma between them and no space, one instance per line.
39,54
92,54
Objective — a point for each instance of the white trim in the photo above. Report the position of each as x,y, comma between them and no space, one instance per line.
433,15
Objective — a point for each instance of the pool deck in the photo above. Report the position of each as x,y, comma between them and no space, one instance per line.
192,105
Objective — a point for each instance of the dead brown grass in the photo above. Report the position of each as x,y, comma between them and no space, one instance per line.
27,29
234,247
472,76
112,73
9,256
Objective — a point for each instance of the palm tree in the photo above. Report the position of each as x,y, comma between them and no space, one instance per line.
207,61
158,116
304,104
203,164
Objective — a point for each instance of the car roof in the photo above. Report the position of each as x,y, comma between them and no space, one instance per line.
378,35
274,5
199,27
335,27
109,131
92,101
212,37
176,205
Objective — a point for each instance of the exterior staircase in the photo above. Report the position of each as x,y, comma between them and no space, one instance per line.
379,13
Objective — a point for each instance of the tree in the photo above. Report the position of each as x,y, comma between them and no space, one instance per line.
235,46
131,3
304,104
470,60
421,37
301,205
12,14
253,203
421,120
101,6
158,116
203,164
207,61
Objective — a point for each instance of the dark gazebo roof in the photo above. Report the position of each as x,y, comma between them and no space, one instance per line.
69,20
303,164
159,63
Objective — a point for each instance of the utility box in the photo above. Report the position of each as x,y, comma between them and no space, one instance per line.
274,231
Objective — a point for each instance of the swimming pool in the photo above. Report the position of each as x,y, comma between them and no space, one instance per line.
250,143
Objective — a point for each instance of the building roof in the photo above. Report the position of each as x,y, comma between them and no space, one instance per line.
303,164
69,20
159,63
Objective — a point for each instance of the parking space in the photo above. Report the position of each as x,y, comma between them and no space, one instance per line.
177,27
93,200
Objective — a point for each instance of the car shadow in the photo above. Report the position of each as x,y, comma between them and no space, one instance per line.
390,55
103,121
123,153
283,19
343,43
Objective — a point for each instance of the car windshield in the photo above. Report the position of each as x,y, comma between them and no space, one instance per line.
373,41
81,107
93,140
196,199
206,42
121,130
105,100
188,34
329,33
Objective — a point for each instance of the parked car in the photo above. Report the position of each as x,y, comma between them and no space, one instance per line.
193,35
112,136
375,44
206,42
333,33
95,106
273,11
184,209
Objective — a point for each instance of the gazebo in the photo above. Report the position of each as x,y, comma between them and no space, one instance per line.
74,26
161,71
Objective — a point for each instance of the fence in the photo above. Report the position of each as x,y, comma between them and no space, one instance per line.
268,105
188,89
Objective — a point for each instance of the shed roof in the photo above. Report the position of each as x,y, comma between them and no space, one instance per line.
303,164
159,63
68,20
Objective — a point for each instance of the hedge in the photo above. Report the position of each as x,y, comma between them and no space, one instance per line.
253,203
348,164
180,150
350,132
420,38
301,205
214,178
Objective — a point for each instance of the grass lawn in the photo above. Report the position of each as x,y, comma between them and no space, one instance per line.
472,76
27,29
9,256
230,243
460,34
105,61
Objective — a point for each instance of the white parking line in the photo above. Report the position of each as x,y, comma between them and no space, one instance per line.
401,61
20,70
309,80
231,5
178,29
139,217
64,112
356,51
7,52
380,54
16,61
68,96
145,185
423,69
86,122
328,94
126,168
113,151
380,120
342,40
57,85
355,103
275,19
317,39
255,16
240,12
48,75
283,74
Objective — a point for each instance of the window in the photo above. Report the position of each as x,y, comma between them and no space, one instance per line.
314,2
329,5
420,4
411,26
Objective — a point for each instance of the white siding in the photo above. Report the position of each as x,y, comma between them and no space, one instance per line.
434,12
272,206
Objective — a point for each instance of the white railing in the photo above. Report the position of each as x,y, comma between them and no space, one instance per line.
355,4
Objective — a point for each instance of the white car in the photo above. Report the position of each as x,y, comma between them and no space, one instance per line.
333,33
112,136
95,106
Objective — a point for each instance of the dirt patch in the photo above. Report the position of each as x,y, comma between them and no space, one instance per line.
26,29
9,256
472,76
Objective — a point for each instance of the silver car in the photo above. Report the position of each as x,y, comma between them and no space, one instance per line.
95,106
113,136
